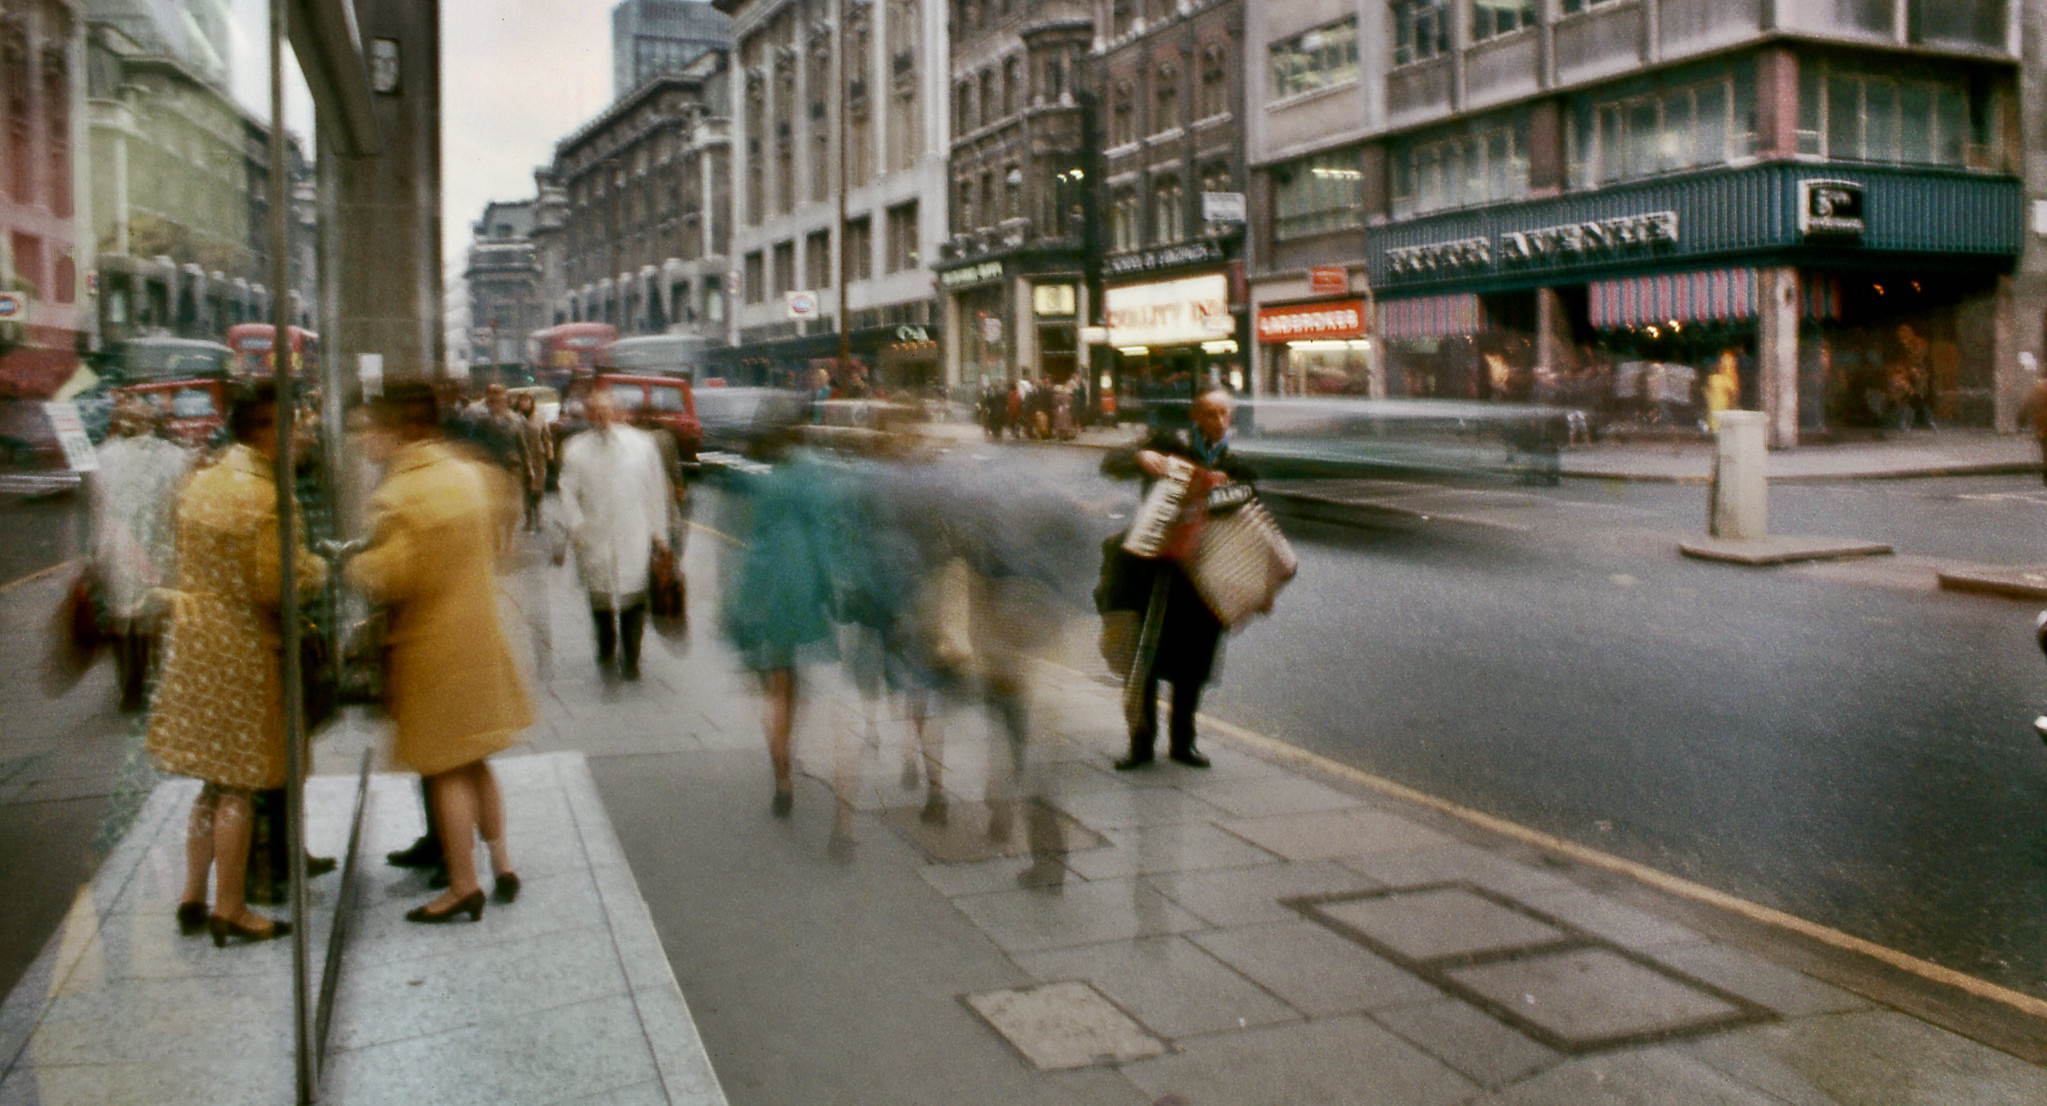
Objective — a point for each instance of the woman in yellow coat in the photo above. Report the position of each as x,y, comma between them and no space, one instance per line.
454,692
219,709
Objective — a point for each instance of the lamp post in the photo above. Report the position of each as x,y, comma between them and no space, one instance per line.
839,235
1087,177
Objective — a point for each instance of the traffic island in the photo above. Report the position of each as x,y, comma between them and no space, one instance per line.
2011,583
1779,550
1737,510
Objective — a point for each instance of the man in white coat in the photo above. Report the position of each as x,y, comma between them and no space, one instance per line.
614,508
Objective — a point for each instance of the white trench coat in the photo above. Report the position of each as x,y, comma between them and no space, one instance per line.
614,504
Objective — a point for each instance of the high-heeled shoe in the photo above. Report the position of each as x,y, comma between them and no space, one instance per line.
191,918
507,887
223,928
470,904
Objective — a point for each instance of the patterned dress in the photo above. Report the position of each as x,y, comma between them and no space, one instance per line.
219,710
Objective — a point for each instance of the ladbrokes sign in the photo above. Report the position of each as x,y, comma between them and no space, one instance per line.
1305,321
1621,235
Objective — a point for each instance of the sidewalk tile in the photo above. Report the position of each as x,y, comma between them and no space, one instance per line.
1588,997
538,1056
678,1049
471,984
1106,810
642,1094
1650,1077
1615,921
1317,971
1172,848
1065,1025
1456,863
547,904
1773,986
977,877
147,1020
1261,796
963,837
1345,1061
1470,1040
1327,835
1447,921
1077,914
248,1075
1242,896
1876,1056
1174,988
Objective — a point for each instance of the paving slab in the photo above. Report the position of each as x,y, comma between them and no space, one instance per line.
981,877
1135,807
1478,1045
1175,988
1873,1057
1064,1025
1346,1061
1647,1077
1771,986
1258,797
1242,896
1168,848
1330,834
1590,998
1438,923
1779,549
1314,970
1617,922
1456,863
964,835
1076,914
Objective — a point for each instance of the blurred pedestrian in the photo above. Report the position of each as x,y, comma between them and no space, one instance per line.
2036,410
614,506
539,449
1723,388
778,603
456,695
1187,633
219,710
134,495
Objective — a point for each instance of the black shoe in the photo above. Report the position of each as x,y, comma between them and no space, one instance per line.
222,929
785,801
470,904
1188,757
423,853
439,880
317,866
630,670
507,887
264,892
1136,759
191,918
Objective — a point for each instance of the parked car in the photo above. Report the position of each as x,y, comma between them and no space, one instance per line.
195,410
667,402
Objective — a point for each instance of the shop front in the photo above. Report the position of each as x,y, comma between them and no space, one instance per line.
883,360
1171,338
1318,348
1839,299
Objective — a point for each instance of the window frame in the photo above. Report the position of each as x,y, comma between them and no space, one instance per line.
1410,17
1310,75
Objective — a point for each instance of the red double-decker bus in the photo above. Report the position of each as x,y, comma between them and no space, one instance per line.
561,352
252,343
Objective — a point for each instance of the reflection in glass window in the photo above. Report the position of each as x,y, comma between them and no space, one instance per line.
1322,58
192,403
1318,194
1970,22
1492,18
1663,132
1857,117
1421,30
1484,164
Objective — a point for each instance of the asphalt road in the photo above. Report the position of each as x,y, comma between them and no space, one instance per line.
1843,742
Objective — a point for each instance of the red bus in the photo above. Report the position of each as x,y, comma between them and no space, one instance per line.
560,352
252,343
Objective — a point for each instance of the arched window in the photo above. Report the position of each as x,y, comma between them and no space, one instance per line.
1169,210
1123,115
1215,83
1165,92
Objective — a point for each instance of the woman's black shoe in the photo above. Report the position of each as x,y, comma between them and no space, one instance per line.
317,866
470,904
507,888
191,918
423,853
223,928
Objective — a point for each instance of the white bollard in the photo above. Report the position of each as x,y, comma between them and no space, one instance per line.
1740,508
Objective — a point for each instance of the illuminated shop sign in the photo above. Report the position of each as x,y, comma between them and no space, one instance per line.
1830,209
1170,312
1164,257
1563,242
981,273
1306,321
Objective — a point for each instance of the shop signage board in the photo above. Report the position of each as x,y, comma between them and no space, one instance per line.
1328,280
1830,209
1297,322
1169,312
1053,299
71,435
1164,257
986,272
1222,207
1620,235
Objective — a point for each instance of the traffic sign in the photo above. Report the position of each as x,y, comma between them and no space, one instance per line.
13,306
71,435
801,305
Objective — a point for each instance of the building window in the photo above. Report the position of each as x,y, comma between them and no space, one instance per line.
14,69
785,267
817,258
1012,184
963,109
756,279
1012,85
1710,123
821,166
904,248
860,248
963,208
1165,92
1482,165
1493,18
1421,30
1322,58
1856,117
1571,6
1123,222
859,147
1318,194
1122,14
57,109
1169,206
1123,115
1215,83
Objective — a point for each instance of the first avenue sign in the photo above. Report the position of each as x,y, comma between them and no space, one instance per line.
1563,242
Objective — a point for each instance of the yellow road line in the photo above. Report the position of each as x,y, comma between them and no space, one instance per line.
1661,880
34,576
716,533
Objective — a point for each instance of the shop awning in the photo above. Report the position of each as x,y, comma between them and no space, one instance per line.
1821,294
1711,295
1429,316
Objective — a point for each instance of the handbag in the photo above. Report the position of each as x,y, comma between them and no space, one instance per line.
319,684
667,595
76,637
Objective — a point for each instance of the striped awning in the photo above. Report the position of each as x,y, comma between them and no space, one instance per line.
1429,316
1713,295
1820,294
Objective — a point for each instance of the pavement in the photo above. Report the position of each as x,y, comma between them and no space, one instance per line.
1276,929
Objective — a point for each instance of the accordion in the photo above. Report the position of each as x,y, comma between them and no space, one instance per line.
1240,562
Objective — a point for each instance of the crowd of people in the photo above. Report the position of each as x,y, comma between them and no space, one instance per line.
932,585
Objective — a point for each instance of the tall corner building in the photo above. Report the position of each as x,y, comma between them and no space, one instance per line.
1595,195
653,38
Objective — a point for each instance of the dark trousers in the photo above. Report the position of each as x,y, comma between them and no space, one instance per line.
628,624
1180,729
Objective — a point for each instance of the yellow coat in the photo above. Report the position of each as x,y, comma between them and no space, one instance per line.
219,709
453,689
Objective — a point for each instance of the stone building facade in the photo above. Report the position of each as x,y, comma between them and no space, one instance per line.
44,202
503,285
